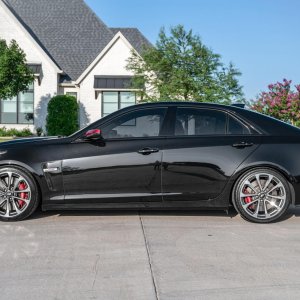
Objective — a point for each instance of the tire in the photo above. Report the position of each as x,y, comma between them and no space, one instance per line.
261,195
19,194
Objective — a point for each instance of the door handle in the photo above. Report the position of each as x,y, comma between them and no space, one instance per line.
242,145
147,151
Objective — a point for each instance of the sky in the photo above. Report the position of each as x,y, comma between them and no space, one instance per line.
260,37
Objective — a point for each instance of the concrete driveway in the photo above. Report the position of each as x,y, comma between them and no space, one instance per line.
151,255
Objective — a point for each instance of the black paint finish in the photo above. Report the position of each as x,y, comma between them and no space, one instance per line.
199,168
112,171
166,171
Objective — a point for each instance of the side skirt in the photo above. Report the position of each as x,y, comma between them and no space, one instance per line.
208,205
220,203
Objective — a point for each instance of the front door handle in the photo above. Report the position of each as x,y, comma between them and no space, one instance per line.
147,151
242,145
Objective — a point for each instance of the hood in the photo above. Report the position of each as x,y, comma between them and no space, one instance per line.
21,141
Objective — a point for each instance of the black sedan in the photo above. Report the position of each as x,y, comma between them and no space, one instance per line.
162,155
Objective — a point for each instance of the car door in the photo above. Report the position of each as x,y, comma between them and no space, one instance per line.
123,166
203,151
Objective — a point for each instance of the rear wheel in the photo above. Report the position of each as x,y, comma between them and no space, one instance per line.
261,195
19,195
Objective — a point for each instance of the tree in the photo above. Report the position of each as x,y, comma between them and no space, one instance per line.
62,118
181,67
15,76
280,102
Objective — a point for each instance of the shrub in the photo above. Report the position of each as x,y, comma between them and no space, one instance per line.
23,133
62,118
15,132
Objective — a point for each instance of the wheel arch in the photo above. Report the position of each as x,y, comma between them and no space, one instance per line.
25,168
284,172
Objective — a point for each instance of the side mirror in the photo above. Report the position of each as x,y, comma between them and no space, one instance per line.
93,134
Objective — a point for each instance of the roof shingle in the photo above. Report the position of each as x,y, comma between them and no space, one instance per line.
134,36
69,31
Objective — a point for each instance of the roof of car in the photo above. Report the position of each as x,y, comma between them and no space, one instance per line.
265,124
188,103
262,124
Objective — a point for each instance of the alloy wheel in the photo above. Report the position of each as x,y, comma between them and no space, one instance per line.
15,194
262,195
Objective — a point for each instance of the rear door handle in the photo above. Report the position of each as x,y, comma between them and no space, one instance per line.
147,151
242,145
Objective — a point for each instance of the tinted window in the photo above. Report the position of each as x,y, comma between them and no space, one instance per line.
236,127
142,123
199,122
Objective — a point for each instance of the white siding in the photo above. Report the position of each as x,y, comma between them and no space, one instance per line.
11,29
112,63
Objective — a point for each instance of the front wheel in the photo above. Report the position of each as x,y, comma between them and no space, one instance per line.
261,195
19,196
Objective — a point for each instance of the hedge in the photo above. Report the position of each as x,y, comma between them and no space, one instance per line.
4,132
62,118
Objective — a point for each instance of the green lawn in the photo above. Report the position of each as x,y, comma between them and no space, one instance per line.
5,139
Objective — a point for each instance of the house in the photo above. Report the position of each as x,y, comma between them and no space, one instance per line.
71,51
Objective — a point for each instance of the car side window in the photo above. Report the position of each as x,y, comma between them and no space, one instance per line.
191,121
136,124
235,127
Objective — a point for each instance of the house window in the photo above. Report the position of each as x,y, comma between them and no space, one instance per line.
18,110
113,101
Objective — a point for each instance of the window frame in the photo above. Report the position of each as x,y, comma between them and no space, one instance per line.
30,90
79,137
140,137
252,132
119,99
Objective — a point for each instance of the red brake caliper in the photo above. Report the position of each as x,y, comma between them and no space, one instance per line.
23,195
248,199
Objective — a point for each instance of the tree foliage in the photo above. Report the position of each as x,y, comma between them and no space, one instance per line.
62,118
280,102
181,67
15,76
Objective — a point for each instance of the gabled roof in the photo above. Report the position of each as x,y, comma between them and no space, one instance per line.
134,37
69,31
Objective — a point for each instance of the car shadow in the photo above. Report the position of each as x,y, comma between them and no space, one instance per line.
231,213
292,212
131,212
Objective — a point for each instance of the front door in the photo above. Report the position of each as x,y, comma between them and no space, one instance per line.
123,166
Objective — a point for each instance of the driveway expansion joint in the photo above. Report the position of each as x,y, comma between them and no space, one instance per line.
149,258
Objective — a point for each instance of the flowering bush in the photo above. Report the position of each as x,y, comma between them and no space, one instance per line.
280,102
